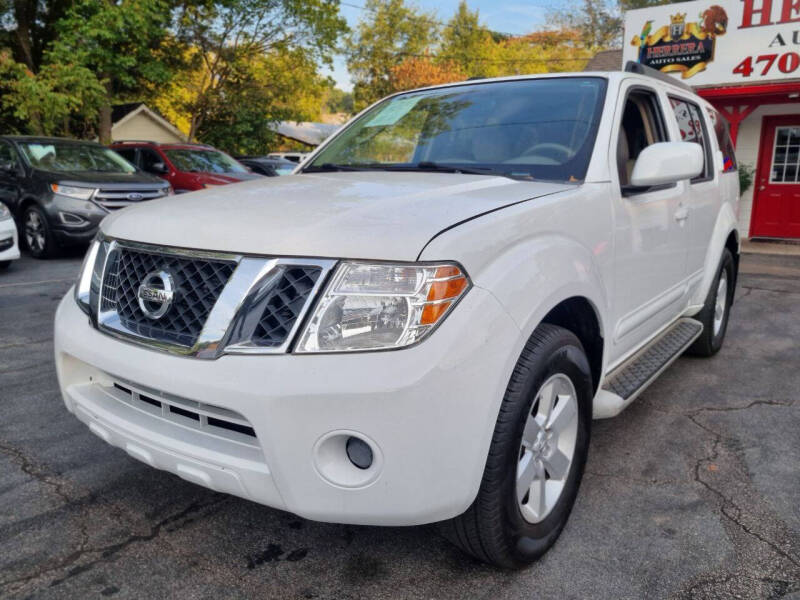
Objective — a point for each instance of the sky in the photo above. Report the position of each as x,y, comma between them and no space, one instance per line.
516,17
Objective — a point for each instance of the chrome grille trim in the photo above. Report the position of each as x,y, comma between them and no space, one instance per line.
113,199
228,314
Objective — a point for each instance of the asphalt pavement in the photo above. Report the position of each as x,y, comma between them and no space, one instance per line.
693,492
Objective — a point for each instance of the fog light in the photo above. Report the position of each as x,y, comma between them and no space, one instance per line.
359,453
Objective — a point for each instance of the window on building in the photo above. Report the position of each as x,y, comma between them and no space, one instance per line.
642,125
690,122
786,157
724,139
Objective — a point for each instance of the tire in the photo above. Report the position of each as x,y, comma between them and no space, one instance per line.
500,528
36,233
714,324
4,264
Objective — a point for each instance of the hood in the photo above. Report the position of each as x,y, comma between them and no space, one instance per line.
96,179
367,214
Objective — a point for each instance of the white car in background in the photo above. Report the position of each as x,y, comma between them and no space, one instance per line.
9,242
421,323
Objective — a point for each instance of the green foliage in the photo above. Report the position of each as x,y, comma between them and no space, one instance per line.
339,101
391,32
228,39
468,43
51,100
282,84
746,173
598,21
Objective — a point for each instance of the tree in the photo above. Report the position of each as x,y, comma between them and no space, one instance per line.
416,72
468,43
393,32
227,36
49,101
598,21
28,27
339,101
125,44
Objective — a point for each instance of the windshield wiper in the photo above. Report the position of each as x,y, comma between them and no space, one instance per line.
427,165
327,167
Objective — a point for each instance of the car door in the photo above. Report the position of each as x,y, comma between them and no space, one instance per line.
703,196
650,231
11,176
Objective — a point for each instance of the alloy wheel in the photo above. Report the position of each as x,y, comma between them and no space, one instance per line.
721,304
547,448
34,231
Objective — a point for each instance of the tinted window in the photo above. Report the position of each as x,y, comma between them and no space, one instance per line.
67,156
203,161
148,158
642,125
690,122
7,154
724,139
540,128
128,154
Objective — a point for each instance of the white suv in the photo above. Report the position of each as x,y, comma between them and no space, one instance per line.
420,325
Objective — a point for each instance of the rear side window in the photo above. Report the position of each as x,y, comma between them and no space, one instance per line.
128,154
690,122
724,139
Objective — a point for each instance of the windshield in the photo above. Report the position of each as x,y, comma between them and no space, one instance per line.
66,156
537,128
203,161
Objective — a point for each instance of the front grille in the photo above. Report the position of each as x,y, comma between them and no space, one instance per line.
198,284
113,199
284,303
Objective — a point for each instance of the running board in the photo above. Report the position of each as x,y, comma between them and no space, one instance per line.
624,384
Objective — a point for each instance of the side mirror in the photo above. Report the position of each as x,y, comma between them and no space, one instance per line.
667,162
159,168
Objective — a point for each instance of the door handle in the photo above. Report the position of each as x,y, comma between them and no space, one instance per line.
681,214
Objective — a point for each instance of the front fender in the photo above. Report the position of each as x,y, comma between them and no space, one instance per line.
533,255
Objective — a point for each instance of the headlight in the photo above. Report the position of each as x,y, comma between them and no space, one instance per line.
83,287
5,214
79,193
369,306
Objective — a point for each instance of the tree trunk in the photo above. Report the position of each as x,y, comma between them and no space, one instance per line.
23,17
105,124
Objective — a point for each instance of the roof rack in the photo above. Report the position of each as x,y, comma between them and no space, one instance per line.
640,69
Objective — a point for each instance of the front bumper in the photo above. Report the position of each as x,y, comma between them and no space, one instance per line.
9,240
427,411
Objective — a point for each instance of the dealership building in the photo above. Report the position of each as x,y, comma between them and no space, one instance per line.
743,56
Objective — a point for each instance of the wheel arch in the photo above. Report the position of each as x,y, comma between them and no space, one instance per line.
579,315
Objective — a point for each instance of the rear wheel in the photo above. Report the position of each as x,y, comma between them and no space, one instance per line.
716,309
36,231
536,458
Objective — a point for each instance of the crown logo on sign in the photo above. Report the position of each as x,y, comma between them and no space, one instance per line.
678,19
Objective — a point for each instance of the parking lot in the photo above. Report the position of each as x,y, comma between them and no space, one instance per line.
692,492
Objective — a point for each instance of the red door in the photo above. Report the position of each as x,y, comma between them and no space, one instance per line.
776,209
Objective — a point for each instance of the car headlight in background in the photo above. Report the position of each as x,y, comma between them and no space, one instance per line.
373,306
79,193
5,214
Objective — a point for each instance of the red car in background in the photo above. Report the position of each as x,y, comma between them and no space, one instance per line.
187,167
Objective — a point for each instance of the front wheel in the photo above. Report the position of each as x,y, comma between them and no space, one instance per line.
36,231
536,457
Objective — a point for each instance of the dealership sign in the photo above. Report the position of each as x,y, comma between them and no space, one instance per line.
722,42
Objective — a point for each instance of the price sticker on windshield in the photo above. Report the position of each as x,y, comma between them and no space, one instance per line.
393,112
